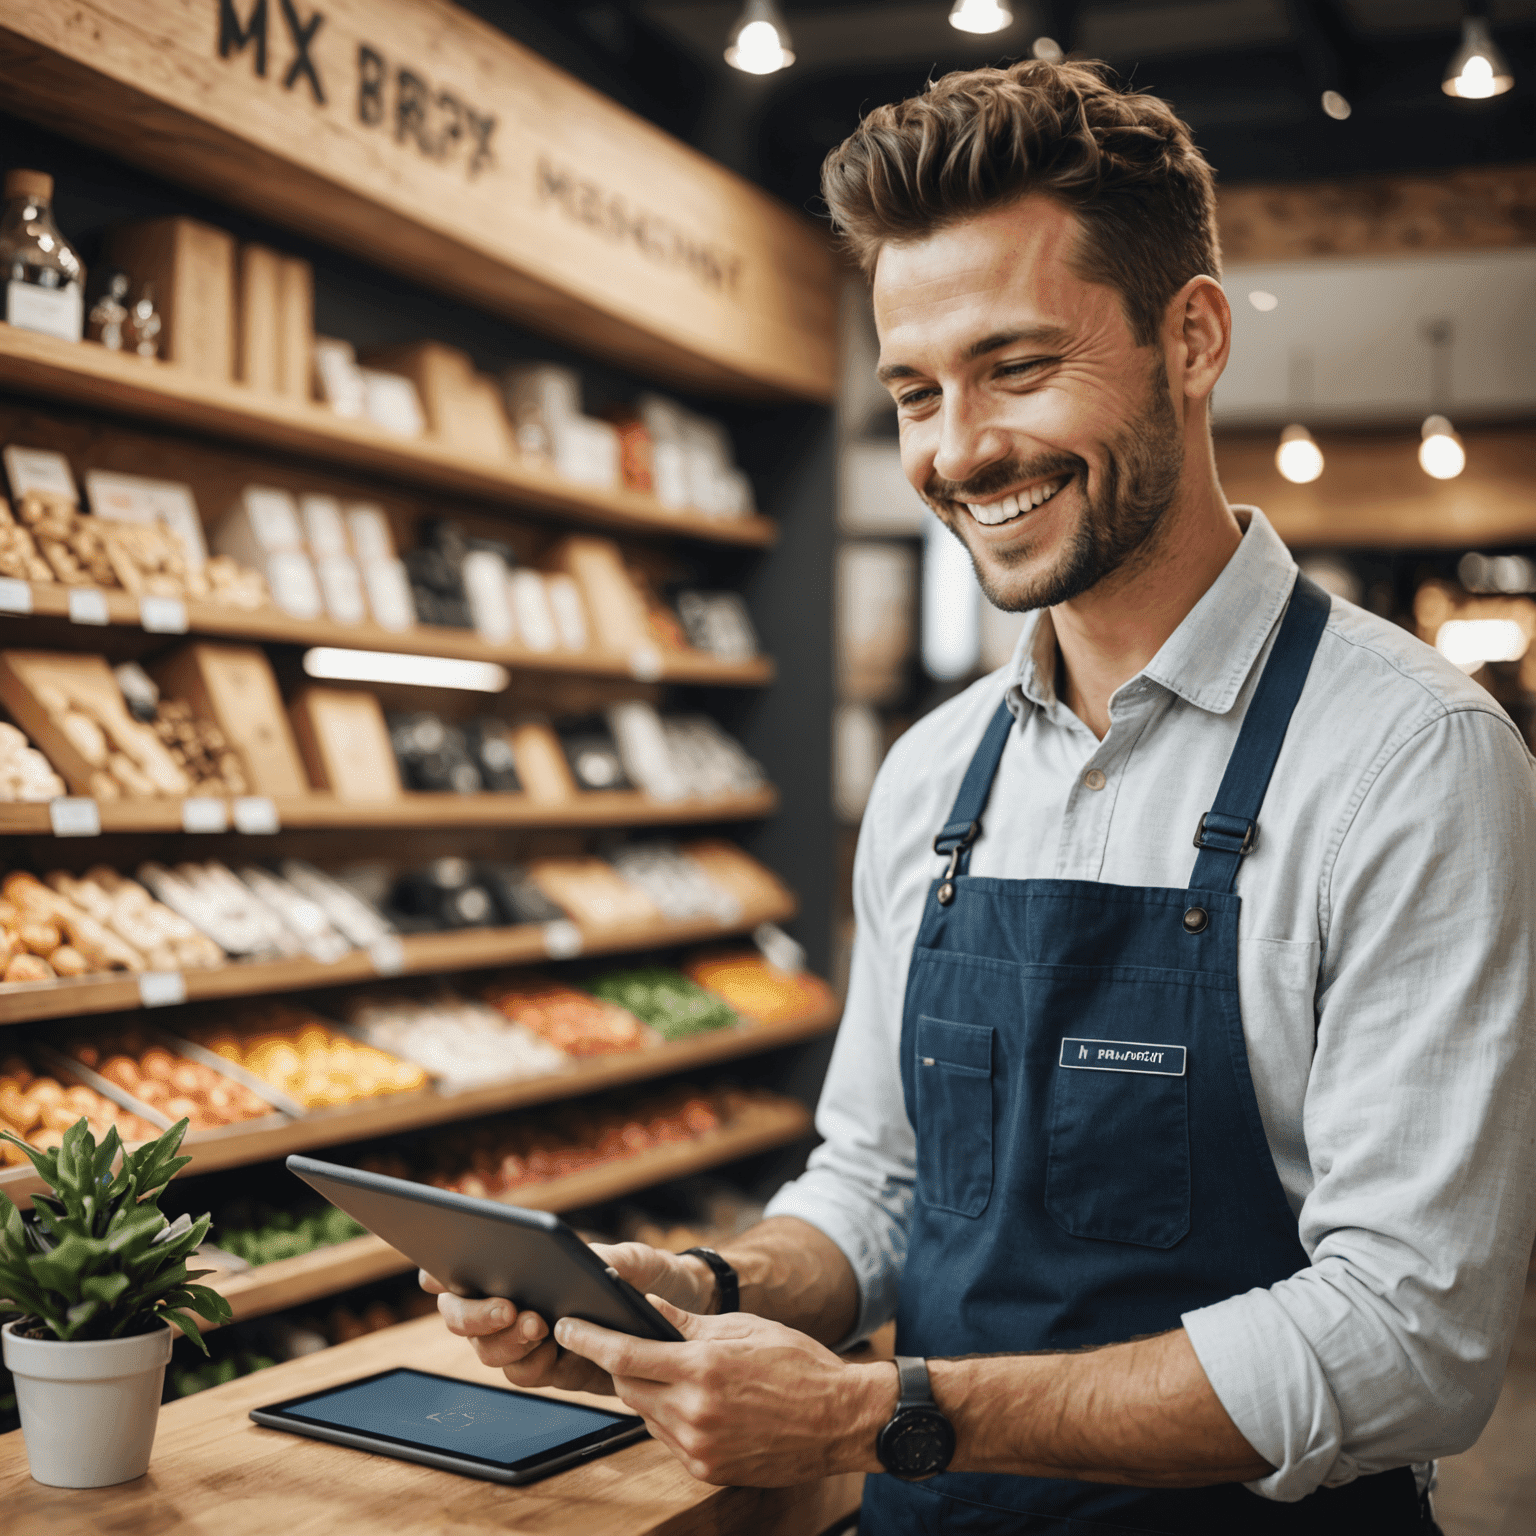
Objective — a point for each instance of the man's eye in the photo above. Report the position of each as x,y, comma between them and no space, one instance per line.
916,396
1032,365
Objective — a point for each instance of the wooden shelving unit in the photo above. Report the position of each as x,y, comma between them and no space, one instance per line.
604,808
462,950
50,600
391,1114
83,374
293,1282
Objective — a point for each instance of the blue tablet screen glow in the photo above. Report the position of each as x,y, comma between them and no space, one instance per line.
453,1416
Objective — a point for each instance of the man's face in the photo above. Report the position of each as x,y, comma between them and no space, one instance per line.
1031,422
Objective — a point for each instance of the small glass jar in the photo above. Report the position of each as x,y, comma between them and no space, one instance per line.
43,275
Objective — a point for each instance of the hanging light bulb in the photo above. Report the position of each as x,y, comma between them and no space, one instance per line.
1442,453
759,42
1477,69
1298,457
980,16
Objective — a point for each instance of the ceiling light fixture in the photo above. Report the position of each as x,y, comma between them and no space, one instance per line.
1468,643
980,16
1048,50
420,671
1262,301
1477,69
759,42
1298,457
1336,105
1442,454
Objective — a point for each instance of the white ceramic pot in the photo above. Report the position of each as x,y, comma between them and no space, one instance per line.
88,1408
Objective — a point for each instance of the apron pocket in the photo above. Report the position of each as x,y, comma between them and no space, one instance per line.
954,1115
1119,1156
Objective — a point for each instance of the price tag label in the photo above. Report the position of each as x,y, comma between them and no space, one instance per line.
74,816
645,663
256,815
163,615
388,955
88,606
204,814
562,940
15,596
162,989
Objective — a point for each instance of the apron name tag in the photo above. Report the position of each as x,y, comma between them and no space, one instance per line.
1123,1056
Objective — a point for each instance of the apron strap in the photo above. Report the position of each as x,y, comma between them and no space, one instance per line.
964,824
1226,831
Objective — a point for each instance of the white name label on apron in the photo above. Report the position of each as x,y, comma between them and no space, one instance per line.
1123,1056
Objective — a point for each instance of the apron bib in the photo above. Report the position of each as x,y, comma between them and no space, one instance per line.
1090,1159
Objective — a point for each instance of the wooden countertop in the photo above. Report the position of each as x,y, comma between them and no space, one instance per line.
214,1473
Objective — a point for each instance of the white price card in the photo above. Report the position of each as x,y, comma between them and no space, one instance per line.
645,663
74,816
162,989
387,954
202,813
87,605
256,815
163,615
15,596
562,940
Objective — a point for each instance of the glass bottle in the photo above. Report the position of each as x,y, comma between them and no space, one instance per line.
104,323
141,330
43,275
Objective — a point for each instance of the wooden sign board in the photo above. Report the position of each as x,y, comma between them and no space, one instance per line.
422,139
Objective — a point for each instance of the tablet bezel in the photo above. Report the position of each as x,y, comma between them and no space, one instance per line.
632,1313
284,1416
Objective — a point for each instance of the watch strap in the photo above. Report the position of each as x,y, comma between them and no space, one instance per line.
914,1390
726,1283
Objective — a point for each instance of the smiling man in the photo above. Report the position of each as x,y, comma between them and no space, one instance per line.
1182,1112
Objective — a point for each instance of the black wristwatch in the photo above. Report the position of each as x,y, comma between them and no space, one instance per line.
918,1441
726,1282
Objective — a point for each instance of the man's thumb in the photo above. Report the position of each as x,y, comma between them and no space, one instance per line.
689,1324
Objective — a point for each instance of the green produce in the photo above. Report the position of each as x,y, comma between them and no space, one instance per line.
666,1000
283,1235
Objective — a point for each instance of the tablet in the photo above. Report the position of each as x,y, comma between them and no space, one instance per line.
484,1248
460,1426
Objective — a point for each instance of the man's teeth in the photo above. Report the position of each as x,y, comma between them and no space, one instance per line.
995,512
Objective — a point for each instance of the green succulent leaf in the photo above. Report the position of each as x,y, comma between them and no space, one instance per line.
104,1288
187,1326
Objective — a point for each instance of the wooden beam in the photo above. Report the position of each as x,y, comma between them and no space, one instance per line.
1478,208
418,137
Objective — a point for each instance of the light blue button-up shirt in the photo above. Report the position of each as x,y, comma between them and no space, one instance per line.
1387,945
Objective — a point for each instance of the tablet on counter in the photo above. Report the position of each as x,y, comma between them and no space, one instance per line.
459,1426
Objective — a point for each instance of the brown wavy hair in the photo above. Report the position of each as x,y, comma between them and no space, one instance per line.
1122,161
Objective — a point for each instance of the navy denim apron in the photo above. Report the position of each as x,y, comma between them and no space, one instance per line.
1090,1159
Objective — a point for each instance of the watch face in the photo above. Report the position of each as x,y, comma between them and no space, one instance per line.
917,1443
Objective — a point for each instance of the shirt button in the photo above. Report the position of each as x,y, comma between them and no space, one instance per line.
1094,779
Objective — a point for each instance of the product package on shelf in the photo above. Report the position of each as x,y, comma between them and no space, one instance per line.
718,623
495,1159
544,403
345,743
197,746
692,462
45,280
573,1022
680,887
314,1063
592,891
463,408
124,498
462,1044
275,315
40,1105
262,530
541,764
167,1081
756,989
667,1000
435,568
385,581
593,755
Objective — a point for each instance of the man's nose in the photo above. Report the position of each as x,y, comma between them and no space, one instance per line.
969,441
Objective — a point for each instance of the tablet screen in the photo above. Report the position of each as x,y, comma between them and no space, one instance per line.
490,1424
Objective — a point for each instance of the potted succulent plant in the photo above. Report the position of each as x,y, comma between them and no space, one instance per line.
99,1278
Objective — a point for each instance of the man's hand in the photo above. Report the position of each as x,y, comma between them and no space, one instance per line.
519,1342
744,1402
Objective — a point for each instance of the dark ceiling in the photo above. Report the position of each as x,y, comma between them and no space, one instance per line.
1247,74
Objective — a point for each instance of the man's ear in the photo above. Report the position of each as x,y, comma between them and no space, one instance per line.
1198,336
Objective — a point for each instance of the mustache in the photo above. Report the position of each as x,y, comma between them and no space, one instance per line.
1000,476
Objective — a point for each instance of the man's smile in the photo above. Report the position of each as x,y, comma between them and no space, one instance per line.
1004,509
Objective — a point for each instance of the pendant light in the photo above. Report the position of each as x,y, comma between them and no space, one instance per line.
1298,457
759,42
1477,69
980,16
1442,454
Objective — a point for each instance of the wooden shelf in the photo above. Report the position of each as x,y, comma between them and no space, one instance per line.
292,1282
466,949
84,374
51,600
391,1114
604,808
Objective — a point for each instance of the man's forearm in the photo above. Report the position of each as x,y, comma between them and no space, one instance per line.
795,1274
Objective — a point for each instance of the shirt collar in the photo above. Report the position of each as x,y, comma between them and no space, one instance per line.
1207,659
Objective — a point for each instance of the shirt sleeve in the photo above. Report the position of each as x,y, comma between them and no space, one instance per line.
857,1187
1390,1347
